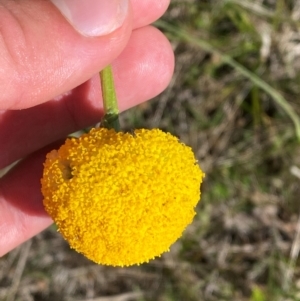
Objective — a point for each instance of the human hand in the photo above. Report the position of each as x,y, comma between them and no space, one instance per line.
50,87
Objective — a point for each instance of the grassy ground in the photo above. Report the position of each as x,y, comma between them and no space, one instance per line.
234,99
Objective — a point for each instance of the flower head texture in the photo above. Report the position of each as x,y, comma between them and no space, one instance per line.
121,198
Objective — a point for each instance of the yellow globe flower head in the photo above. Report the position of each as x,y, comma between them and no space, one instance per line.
121,199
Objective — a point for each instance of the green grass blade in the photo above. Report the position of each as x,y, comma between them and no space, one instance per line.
276,96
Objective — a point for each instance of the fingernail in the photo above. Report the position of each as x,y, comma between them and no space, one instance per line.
94,17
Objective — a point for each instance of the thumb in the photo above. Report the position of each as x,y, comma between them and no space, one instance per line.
48,48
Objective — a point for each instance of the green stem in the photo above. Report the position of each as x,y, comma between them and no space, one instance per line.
110,103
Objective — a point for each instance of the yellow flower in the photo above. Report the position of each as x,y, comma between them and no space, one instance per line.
121,199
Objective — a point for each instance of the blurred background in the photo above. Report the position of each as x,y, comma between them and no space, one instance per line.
234,99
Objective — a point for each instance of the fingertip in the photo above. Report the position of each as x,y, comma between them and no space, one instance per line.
151,73
44,56
147,11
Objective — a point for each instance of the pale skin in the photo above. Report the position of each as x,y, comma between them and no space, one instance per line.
50,87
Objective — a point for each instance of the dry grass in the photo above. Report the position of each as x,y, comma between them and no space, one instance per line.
244,242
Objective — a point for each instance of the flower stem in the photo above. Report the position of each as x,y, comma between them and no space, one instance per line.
110,103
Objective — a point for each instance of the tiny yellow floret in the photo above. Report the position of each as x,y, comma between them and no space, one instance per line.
121,198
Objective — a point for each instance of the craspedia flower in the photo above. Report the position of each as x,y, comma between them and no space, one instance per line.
121,199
